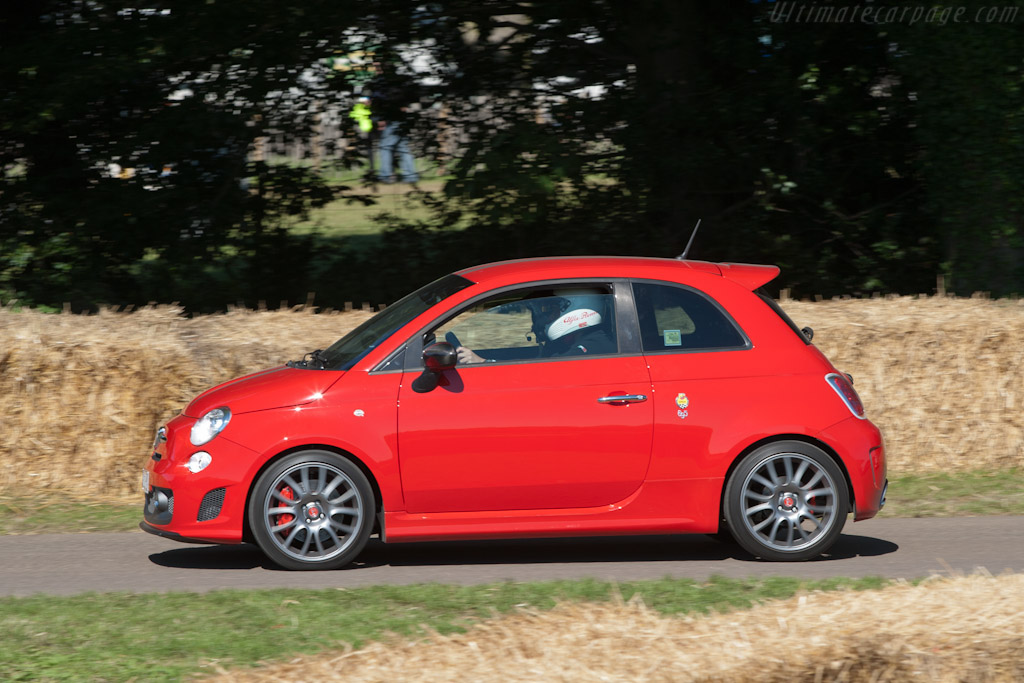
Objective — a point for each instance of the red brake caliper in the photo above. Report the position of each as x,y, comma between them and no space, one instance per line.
285,517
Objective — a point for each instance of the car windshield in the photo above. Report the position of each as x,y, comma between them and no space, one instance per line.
347,351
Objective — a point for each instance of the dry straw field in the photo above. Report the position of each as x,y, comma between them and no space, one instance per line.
957,630
80,396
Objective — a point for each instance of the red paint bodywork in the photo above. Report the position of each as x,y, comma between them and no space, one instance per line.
525,449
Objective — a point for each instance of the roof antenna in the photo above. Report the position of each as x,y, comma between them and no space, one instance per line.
690,243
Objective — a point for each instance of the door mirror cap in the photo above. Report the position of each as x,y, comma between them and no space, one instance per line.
439,357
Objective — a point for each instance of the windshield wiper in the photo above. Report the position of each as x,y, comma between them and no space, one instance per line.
318,357
314,359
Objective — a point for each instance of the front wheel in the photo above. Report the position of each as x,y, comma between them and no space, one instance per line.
312,510
786,501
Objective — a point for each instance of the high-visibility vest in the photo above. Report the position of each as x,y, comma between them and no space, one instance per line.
361,113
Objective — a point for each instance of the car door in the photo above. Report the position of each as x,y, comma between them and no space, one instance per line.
703,373
526,423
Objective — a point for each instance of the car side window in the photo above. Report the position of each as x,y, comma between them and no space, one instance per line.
674,318
533,324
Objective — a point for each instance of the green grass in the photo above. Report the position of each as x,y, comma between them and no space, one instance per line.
348,218
20,515
351,218
967,494
116,637
925,495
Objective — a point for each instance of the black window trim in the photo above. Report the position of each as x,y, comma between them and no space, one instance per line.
777,308
746,346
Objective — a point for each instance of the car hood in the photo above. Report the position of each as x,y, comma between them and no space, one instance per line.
280,387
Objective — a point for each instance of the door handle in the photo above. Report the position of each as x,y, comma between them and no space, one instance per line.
623,398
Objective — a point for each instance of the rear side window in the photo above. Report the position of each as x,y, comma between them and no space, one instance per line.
675,318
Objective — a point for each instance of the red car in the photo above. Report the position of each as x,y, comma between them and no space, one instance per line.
540,397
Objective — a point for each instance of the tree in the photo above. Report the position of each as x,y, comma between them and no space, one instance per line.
127,142
628,121
848,152
966,82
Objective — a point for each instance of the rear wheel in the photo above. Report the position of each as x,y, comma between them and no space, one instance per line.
312,510
786,501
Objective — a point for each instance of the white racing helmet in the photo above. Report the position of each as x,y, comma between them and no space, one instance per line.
566,310
573,321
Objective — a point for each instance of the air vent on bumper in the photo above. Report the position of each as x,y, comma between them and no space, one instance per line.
210,507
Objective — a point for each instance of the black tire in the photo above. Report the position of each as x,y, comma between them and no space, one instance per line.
787,501
312,510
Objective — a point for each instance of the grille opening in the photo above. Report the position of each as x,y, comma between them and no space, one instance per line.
209,508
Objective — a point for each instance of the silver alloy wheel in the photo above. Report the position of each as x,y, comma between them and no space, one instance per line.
789,502
313,511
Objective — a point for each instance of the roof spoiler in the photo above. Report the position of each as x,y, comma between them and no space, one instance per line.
749,275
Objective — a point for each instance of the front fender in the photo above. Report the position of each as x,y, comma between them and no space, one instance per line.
366,432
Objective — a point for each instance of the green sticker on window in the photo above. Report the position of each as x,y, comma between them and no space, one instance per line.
673,338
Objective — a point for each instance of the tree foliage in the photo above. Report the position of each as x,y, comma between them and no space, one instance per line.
859,157
127,146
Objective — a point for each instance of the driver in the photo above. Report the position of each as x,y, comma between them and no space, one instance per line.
578,332
564,326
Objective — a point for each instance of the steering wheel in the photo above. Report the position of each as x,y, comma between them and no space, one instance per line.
452,339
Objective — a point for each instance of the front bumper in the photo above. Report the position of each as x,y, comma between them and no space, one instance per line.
171,535
206,506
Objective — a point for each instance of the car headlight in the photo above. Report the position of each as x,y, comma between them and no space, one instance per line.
210,425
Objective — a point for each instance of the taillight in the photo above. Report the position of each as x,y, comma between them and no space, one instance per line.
844,387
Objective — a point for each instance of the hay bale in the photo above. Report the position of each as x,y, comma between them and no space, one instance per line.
81,395
962,629
941,377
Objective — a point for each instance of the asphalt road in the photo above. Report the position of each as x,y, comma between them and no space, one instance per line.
65,564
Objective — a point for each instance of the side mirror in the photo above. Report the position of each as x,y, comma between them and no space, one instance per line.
440,357
808,332
436,359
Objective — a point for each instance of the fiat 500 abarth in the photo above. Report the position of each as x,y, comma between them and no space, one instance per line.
541,397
